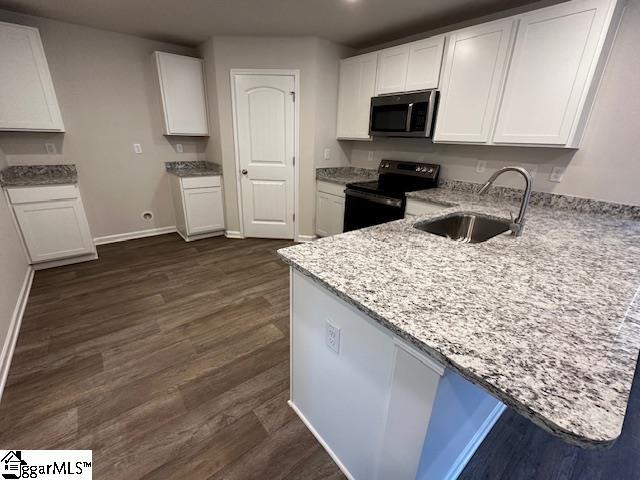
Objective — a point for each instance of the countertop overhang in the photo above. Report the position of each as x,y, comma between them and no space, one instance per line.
548,322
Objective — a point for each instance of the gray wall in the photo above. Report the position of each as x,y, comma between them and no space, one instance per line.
606,167
317,61
107,91
13,268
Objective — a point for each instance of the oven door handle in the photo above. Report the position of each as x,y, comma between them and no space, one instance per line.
407,127
391,202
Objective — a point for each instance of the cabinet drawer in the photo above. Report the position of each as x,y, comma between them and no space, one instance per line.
331,188
42,194
200,182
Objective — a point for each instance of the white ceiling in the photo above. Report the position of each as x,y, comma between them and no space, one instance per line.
357,23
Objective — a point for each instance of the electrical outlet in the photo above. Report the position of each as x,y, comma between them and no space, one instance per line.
327,154
179,148
557,174
370,157
50,148
137,148
333,337
481,166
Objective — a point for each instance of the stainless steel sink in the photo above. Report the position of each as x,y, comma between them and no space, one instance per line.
465,227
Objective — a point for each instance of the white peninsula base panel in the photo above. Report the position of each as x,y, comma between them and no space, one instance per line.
381,409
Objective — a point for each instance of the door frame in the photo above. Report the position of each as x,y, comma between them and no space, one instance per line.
295,73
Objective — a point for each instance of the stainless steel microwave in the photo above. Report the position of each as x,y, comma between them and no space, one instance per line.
403,115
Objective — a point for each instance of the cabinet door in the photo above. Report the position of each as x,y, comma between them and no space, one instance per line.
27,98
473,74
329,214
425,60
357,84
553,61
392,69
183,94
53,230
203,210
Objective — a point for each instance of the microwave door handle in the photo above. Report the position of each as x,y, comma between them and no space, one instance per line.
409,115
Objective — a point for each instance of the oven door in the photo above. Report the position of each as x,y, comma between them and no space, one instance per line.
364,209
407,115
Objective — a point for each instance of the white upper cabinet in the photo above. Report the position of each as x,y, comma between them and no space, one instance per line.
409,67
425,60
184,99
27,99
357,84
553,64
474,69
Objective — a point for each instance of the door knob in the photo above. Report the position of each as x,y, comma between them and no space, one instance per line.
244,171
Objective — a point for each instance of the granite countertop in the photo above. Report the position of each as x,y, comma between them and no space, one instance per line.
344,175
34,175
548,322
197,168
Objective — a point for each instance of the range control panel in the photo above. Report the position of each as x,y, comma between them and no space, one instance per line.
414,169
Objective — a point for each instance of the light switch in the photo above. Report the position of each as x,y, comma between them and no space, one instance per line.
137,148
327,154
179,148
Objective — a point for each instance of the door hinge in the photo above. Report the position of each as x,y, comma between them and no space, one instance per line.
293,95
294,161
294,217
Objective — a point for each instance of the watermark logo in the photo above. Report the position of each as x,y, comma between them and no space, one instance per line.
46,464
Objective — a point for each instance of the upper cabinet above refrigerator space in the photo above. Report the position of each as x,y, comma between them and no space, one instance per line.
27,98
183,93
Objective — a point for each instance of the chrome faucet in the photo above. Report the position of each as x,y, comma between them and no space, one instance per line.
516,225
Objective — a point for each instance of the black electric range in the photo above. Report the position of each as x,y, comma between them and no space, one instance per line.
383,200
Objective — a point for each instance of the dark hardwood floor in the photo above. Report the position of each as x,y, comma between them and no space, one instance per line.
168,359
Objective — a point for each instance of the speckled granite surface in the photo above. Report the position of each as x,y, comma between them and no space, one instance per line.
344,175
198,168
547,321
542,199
33,175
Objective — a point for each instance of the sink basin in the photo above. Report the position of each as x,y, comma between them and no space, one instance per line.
465,227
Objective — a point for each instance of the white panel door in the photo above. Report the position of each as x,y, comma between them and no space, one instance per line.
356,87
183,94
53,230
266,141
27,98
474,69
425,60
203,210
329,214
392,69
554,56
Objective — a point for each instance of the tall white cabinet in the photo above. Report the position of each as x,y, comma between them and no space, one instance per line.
357,86
27,98
553,62
474,70
183,92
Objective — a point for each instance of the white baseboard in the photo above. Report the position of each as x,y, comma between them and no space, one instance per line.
321,441
64,261
202,236
14,328
306,238
474,443
233,234
123,237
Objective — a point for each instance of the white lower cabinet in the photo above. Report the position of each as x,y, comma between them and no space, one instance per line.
198,206
52,222
329,209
